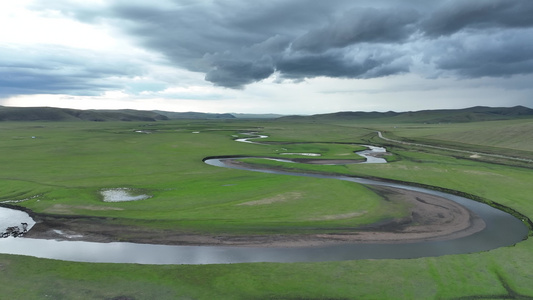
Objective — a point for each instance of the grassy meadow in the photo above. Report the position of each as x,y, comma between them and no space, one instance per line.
61,167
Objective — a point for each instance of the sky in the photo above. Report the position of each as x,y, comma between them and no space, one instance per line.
276,56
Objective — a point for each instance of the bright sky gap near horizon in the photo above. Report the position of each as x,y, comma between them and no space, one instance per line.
279,56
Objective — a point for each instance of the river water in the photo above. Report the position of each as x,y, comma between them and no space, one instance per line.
501,230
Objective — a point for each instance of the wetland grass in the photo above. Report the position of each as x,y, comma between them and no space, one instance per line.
67,164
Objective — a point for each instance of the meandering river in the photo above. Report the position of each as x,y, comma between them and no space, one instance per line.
501,229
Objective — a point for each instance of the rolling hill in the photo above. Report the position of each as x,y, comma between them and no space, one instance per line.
62,114
472,114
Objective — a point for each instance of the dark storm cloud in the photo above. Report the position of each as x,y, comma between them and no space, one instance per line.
360,25
187,33
343,64
247,64
236,42
456,15
495,55
237,72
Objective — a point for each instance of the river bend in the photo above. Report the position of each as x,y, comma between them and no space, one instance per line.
501,230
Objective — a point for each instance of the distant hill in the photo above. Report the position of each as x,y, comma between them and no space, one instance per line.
472,114
64,114
256,116
193,115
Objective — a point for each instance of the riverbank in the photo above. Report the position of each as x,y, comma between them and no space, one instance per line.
430,218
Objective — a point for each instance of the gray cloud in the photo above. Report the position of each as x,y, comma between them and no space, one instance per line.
236,42
356,63
456,15
188,33
235,73
494,55
57,70
360,25
239,43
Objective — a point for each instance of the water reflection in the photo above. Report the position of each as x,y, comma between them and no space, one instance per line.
372,155
502,230
14,222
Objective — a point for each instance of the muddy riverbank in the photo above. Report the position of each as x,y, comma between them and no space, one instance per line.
430,218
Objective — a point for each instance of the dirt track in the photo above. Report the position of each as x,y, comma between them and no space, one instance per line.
473,153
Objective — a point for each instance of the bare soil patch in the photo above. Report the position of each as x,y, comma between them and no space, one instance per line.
340,216
278,198
69,209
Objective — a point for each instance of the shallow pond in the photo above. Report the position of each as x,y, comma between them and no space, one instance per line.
121,195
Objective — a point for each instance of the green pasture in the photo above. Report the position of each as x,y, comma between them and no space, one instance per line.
60,168
324,150
63,168
512,138
515,135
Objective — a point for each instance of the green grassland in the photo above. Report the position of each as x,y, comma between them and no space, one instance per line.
513,137
63,168
516,134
